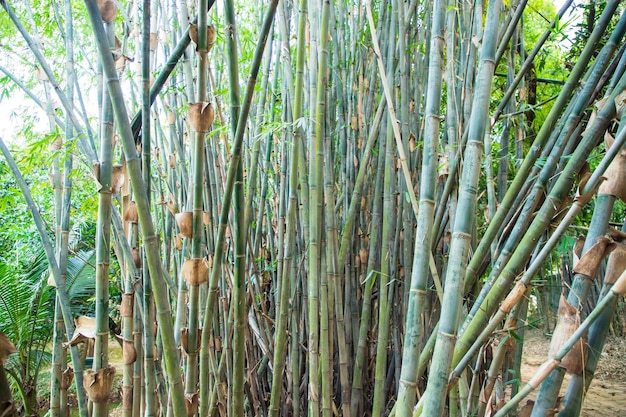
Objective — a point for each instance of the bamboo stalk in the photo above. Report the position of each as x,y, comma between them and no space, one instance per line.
150,239
422,254
288,277
464,221
392,113
226,201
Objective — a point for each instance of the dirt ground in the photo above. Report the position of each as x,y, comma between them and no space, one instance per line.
607,393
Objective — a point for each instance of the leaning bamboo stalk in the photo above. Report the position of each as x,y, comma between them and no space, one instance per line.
151,241
527,65
619,288
256,151
512,26
392,113
54,267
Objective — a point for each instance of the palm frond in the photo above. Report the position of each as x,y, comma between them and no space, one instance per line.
15,297
81,274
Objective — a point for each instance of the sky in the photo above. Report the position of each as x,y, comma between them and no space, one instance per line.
10,108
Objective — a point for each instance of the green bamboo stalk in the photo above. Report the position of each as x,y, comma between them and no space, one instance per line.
226,201
64,410
256,151
130,275
464,221
326,312
191,370
333,265
421,257
289,270
505,137
385,272
296,330
370,276
316,310
150,239
238,298
149,333
58,393
62,204
388,228
103,239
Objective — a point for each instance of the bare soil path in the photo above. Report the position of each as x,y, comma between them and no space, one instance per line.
607,393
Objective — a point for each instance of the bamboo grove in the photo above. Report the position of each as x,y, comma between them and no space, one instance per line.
328,208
